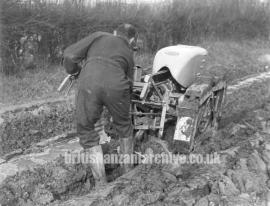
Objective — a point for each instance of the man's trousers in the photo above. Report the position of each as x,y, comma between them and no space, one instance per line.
102,83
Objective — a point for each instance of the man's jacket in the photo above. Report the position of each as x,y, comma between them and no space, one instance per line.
99,45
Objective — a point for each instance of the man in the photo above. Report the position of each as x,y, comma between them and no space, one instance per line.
104,80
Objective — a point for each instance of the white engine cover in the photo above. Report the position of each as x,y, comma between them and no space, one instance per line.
183,61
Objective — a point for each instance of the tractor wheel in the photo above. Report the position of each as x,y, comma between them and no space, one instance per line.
204,117
219,100
202,122
156,146
209,115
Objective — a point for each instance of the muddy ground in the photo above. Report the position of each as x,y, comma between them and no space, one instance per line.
25,125
241,177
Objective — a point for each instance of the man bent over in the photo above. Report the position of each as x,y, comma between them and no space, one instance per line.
105,80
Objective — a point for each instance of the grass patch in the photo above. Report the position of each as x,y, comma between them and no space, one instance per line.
233,58
31,85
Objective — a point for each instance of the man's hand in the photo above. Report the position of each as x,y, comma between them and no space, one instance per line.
75,75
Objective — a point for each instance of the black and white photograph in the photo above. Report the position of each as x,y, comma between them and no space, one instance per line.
134,102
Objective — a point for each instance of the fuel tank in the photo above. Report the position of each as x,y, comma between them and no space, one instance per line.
183,61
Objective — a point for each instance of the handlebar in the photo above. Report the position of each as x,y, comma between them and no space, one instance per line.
67,83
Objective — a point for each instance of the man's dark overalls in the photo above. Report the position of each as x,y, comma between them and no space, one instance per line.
105,80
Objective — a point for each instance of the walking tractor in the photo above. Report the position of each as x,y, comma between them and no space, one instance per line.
174,97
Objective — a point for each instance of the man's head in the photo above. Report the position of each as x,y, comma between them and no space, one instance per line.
129,32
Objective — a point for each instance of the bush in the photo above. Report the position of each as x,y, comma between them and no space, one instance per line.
53,26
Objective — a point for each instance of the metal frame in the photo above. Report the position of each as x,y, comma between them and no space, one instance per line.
192,109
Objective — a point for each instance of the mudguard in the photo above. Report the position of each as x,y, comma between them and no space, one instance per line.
184,62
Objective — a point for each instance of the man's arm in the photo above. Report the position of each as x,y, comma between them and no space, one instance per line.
130,73
75,53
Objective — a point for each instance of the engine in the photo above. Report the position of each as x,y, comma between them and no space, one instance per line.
171,93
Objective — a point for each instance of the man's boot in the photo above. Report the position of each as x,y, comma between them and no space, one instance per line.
97,165
126,148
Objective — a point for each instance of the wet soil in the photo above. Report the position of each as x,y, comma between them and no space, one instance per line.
240,178
20,128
